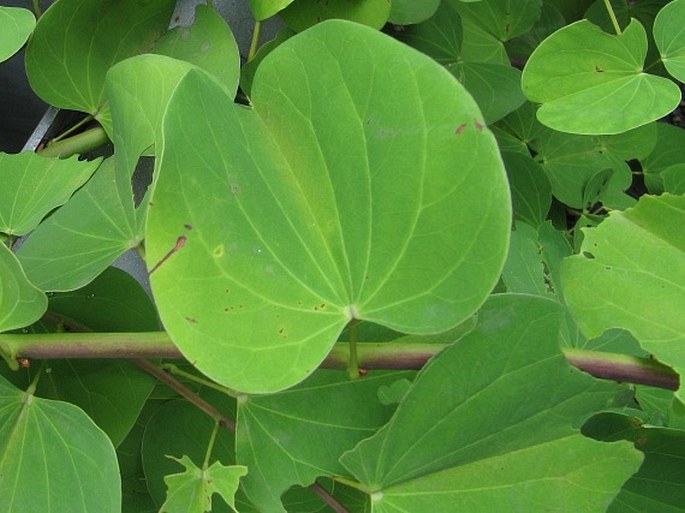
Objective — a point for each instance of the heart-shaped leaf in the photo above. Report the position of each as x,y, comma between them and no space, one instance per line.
326,203
21,302
489,437
53,458
637,259
34,185
585,78
17,24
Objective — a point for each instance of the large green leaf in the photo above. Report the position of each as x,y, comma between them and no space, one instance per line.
293,220
85,236
77,41
53,458
301,436
592,82
17,24
21,303
637,259
670,38
32,186
490,437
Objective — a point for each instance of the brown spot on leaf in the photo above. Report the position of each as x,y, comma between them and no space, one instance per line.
459,130
191,319
188,226
479,126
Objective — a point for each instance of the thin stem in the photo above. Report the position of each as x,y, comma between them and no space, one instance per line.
37,11
254,44
87,140
71,130
328,498
175,370
185,392
210,446
612,15
353,360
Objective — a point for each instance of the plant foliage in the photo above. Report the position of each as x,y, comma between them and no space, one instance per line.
490,188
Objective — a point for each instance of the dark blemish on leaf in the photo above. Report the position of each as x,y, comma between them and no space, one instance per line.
479,126
180,242
588,255
25,363
235,189
188,226
190,319
507,28
151,204
322,305
460,129
598,69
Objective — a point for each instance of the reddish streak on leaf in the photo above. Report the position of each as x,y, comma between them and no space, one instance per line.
180,242
460,129
190,319
479,126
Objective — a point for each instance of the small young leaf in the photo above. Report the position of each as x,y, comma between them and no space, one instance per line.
53,457
32,186
21,303
17,24
191,491
584,77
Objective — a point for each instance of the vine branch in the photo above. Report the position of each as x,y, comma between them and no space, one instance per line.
370,355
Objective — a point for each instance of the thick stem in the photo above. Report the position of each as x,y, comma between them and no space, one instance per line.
80,143
370,355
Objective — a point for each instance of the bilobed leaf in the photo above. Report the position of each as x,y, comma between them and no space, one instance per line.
191,491
262,9
17,24
637,259
583,77
77,41
21,302
53,457
79,241
273,239
302,14
208,44
530,188
301,436
666,152
490,437
407,12
503,19
35,185
670,39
